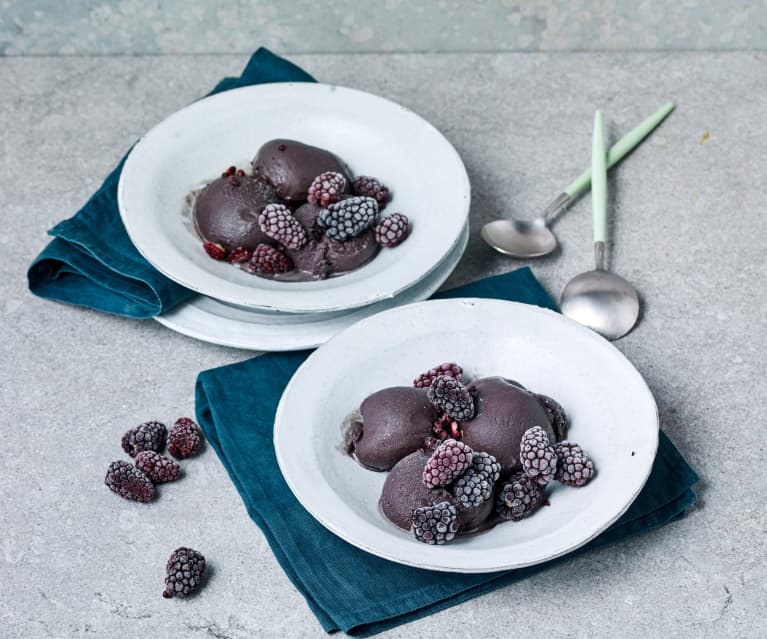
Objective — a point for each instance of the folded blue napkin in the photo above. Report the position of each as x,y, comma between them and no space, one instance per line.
346,588
91,261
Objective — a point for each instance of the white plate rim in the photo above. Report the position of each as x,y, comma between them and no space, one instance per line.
419,291
310,301
360,542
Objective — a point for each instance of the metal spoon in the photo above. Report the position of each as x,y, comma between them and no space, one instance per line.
599,299
526,239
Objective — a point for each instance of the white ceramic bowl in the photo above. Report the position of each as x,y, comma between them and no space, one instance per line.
613,416
374,136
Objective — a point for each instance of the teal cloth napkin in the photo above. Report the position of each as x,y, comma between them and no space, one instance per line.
346,588
91,262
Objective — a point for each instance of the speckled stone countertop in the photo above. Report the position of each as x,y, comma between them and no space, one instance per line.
688,229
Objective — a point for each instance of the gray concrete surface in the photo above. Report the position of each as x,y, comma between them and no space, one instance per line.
688,229
64,27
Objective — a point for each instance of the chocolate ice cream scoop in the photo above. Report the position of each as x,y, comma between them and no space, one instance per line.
404,491
290,167
226,211
504,411
322,258
394,423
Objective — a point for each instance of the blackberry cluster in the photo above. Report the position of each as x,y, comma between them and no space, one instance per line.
574,466
277,221
129,482
326,188
450,459
519,497
475,486
184,439
370,187
436,524
184,572
158,468
450,395
451,369
537,456
348,218
392,230
269,260
147,436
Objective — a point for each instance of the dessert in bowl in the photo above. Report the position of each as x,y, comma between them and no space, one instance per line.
368,136
610,413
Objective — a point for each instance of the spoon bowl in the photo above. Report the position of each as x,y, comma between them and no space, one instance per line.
520,238
603,301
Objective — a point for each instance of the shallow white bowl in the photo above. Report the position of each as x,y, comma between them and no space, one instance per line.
374,136
613,416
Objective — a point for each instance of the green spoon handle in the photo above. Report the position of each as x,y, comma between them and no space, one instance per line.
622,147
599,180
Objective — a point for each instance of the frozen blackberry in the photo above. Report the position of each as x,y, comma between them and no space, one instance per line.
392,230
157,467
475,486
451,369
348,218
519,497
269,260
436,524
556,414
446,427
129,482
240,255
326,188
216,251
147,436
537,456
184,572
449,460
370,187
278,222
448,394
184,439
574,466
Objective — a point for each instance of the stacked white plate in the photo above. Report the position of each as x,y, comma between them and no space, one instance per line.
372,135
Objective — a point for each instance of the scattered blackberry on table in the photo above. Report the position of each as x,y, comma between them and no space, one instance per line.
574,466
370,187
184,439
450,395
216,251
277,221
556,414
436,524
158,468
129,482
240,255
537,456
475,486
184,572
269,260
326,188
348,218
147,436
392,230
451,369
519,497
449,460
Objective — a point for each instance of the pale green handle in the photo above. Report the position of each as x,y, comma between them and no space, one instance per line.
622,147
599,180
